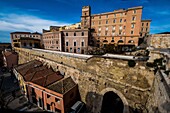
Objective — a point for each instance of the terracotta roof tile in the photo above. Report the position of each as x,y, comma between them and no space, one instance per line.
35,72
63,85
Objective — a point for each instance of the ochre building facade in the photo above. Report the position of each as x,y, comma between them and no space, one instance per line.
121,27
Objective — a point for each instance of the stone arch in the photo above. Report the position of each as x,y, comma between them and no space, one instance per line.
122,97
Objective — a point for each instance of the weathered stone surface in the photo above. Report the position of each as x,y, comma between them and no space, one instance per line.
97,74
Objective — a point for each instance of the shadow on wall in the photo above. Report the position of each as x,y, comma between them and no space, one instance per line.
111,103
166,107
92,102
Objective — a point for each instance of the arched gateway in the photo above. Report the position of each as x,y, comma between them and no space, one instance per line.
113,101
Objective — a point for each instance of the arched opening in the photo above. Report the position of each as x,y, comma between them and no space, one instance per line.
131,41
112,103
120,41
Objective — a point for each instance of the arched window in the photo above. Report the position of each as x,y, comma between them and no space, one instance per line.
105,41
120,41
130,41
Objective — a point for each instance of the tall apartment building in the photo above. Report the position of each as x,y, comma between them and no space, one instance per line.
145,28
76,40
26,39
52,38
68,40
121,27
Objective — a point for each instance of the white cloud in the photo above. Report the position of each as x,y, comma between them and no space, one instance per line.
17,22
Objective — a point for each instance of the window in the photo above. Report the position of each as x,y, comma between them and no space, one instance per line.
48,96
57,110
132,26
131,32
66,50
82,43
146,24
106,16
48,107
78,49
74,43
114,20
99,17
134,11
85,22
99,22
82,51
142,24
66,34
146,29
106,21
24,44
30,44
124,20
56,42
140,34
70,49
84,13
113,33
120,32
106,28
74,34
40,102
120,27
113,28
142,29
133,18
106,33
92,23
56,99
99,28
74,50
82,33
124,27
66,43
120,20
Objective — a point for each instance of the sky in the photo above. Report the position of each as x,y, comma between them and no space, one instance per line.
35,15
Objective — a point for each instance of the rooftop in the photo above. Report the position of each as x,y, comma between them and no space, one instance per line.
63,85
118,11
35,72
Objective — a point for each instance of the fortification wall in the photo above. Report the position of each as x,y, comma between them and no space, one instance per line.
96,75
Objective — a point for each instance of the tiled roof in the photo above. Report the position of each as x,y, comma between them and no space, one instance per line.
62,86
21,33
7,53
22,69
35,72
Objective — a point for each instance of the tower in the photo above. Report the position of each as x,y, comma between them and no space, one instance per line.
85,18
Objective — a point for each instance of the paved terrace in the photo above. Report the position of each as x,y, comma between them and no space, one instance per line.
82,56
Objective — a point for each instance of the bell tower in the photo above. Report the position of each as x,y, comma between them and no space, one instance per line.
86,17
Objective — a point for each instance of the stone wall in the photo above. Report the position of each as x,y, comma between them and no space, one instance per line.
159,100
96,75
160,40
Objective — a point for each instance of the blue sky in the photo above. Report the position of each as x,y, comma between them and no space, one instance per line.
35,15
